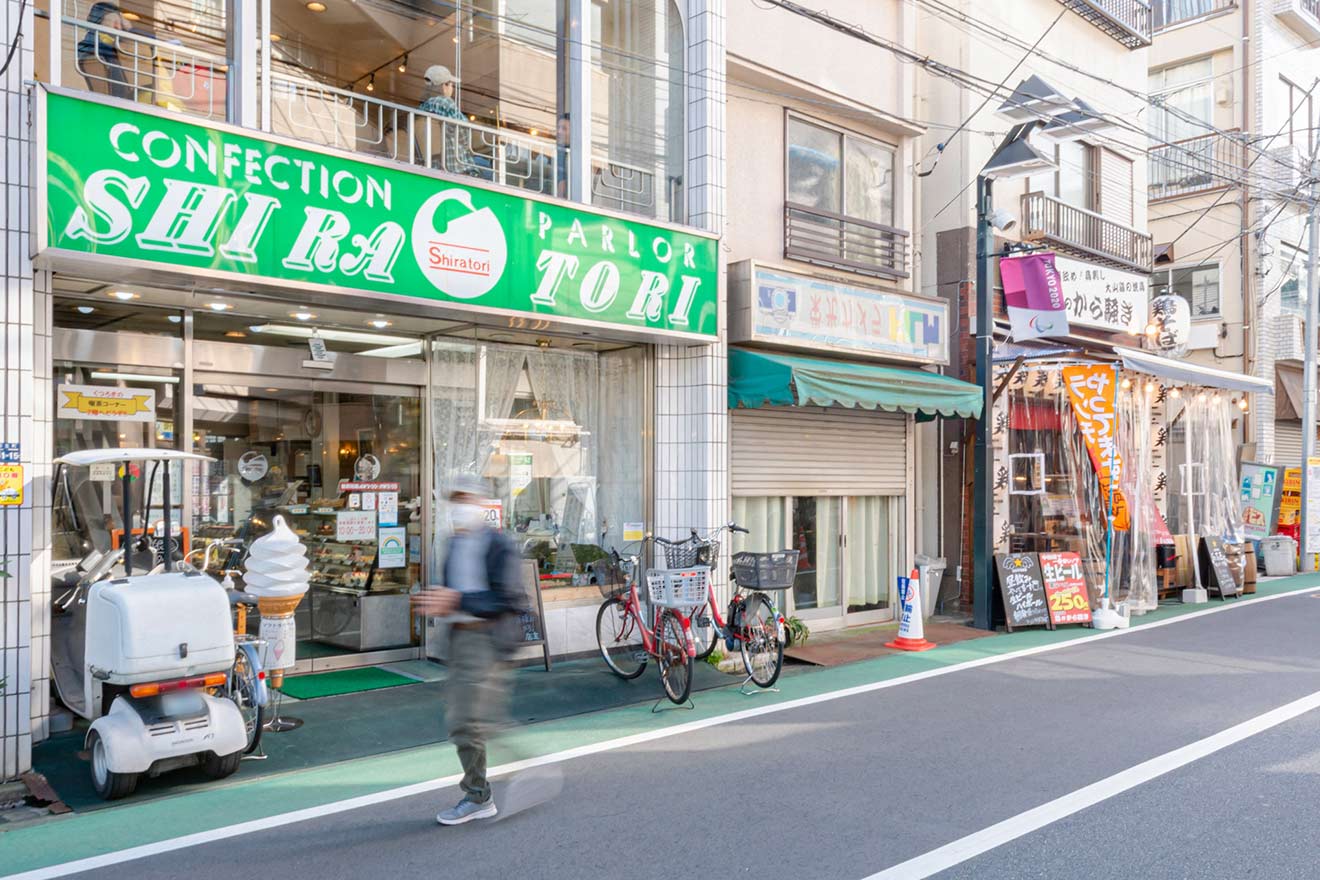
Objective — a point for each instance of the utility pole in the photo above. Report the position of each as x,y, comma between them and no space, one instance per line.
1309,549
983,496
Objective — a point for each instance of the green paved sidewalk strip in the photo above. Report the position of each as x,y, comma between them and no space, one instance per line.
85,835
344,681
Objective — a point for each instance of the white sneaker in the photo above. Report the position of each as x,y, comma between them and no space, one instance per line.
466,810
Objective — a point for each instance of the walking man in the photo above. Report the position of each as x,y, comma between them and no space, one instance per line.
480,595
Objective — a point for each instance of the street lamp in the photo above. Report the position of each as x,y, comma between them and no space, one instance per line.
1034,105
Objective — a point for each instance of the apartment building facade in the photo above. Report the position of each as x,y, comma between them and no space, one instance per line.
1233,134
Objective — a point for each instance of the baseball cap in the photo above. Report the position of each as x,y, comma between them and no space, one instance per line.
438,75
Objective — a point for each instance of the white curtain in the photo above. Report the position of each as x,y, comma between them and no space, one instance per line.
454,430
875,541
616,436
565,385
763,517
1133,578
1210,445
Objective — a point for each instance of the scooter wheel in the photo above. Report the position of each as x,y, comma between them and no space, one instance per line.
108,784
220,766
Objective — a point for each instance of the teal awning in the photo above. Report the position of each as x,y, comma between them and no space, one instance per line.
760,379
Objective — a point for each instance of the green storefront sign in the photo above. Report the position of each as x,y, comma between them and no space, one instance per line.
146,186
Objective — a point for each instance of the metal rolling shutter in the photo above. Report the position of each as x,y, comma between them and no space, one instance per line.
818,451
1288,443
1115,187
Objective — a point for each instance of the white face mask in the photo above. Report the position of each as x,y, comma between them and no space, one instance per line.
466,517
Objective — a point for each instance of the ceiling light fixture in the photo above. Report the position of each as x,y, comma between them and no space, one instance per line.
123,295
380,323
316,6
219,306
403,63
275,38
135,377
85,310
303,315
297,332
235,334
371,83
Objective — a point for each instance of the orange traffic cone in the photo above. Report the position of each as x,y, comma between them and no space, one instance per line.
911,633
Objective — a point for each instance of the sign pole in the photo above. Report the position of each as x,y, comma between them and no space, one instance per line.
1106,617
1309,487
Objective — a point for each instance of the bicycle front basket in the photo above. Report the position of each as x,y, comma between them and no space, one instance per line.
609,577
690,553
678,588
766,571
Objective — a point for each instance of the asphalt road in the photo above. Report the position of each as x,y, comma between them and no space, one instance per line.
849,787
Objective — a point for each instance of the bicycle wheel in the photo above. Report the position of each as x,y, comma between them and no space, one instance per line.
762,651
704,634
243,691
619,639
675,665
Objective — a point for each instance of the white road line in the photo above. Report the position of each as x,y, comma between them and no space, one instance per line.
176,843
1000,833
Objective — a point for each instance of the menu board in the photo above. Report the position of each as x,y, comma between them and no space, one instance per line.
1290,499
531,621
1216,573
1260,499
1065,588
1023,590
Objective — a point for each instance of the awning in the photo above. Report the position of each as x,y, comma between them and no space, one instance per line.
1192,374
758,379
1288,392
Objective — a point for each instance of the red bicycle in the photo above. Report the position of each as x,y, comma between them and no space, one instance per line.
627,642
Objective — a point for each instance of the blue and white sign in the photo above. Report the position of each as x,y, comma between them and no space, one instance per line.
10,453
797,311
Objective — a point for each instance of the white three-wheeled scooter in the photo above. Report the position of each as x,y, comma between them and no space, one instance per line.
137,653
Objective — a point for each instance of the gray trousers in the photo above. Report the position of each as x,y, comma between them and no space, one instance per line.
475,699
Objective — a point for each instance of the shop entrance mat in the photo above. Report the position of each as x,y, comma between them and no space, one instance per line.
345,681
849,646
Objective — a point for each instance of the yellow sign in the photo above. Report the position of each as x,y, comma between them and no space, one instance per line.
1290,500
106,404
1091,390
11,485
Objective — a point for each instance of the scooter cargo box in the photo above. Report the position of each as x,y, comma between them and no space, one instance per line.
155,627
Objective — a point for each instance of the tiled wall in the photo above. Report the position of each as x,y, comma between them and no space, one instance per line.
691,429
24,419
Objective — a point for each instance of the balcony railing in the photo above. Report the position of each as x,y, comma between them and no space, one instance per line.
145,70
1168,13
1127,21
1084,232
340,118
839,242
1196,165
1302,16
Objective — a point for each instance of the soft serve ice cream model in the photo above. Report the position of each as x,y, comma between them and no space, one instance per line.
276,574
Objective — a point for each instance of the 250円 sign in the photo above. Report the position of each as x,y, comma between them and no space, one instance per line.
161,190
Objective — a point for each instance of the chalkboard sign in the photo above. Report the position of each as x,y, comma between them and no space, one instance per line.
532,620
1215,571
1023,591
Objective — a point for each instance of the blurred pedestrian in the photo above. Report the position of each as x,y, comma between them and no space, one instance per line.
481,597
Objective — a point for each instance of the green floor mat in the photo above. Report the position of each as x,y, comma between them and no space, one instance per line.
346,681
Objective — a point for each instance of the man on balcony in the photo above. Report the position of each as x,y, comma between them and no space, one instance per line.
457,141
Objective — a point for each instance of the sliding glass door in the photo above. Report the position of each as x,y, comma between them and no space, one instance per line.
850,550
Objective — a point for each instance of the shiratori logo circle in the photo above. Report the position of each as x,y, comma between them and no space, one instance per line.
465,254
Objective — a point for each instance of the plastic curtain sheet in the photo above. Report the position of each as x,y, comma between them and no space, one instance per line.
1066,514
454,422
618,434
1133,558
1217,505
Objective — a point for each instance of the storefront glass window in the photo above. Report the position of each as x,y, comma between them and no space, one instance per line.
875,543
344,470
816,525
88,508
558,435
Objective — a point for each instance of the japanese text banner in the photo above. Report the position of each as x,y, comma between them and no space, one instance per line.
1091,391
